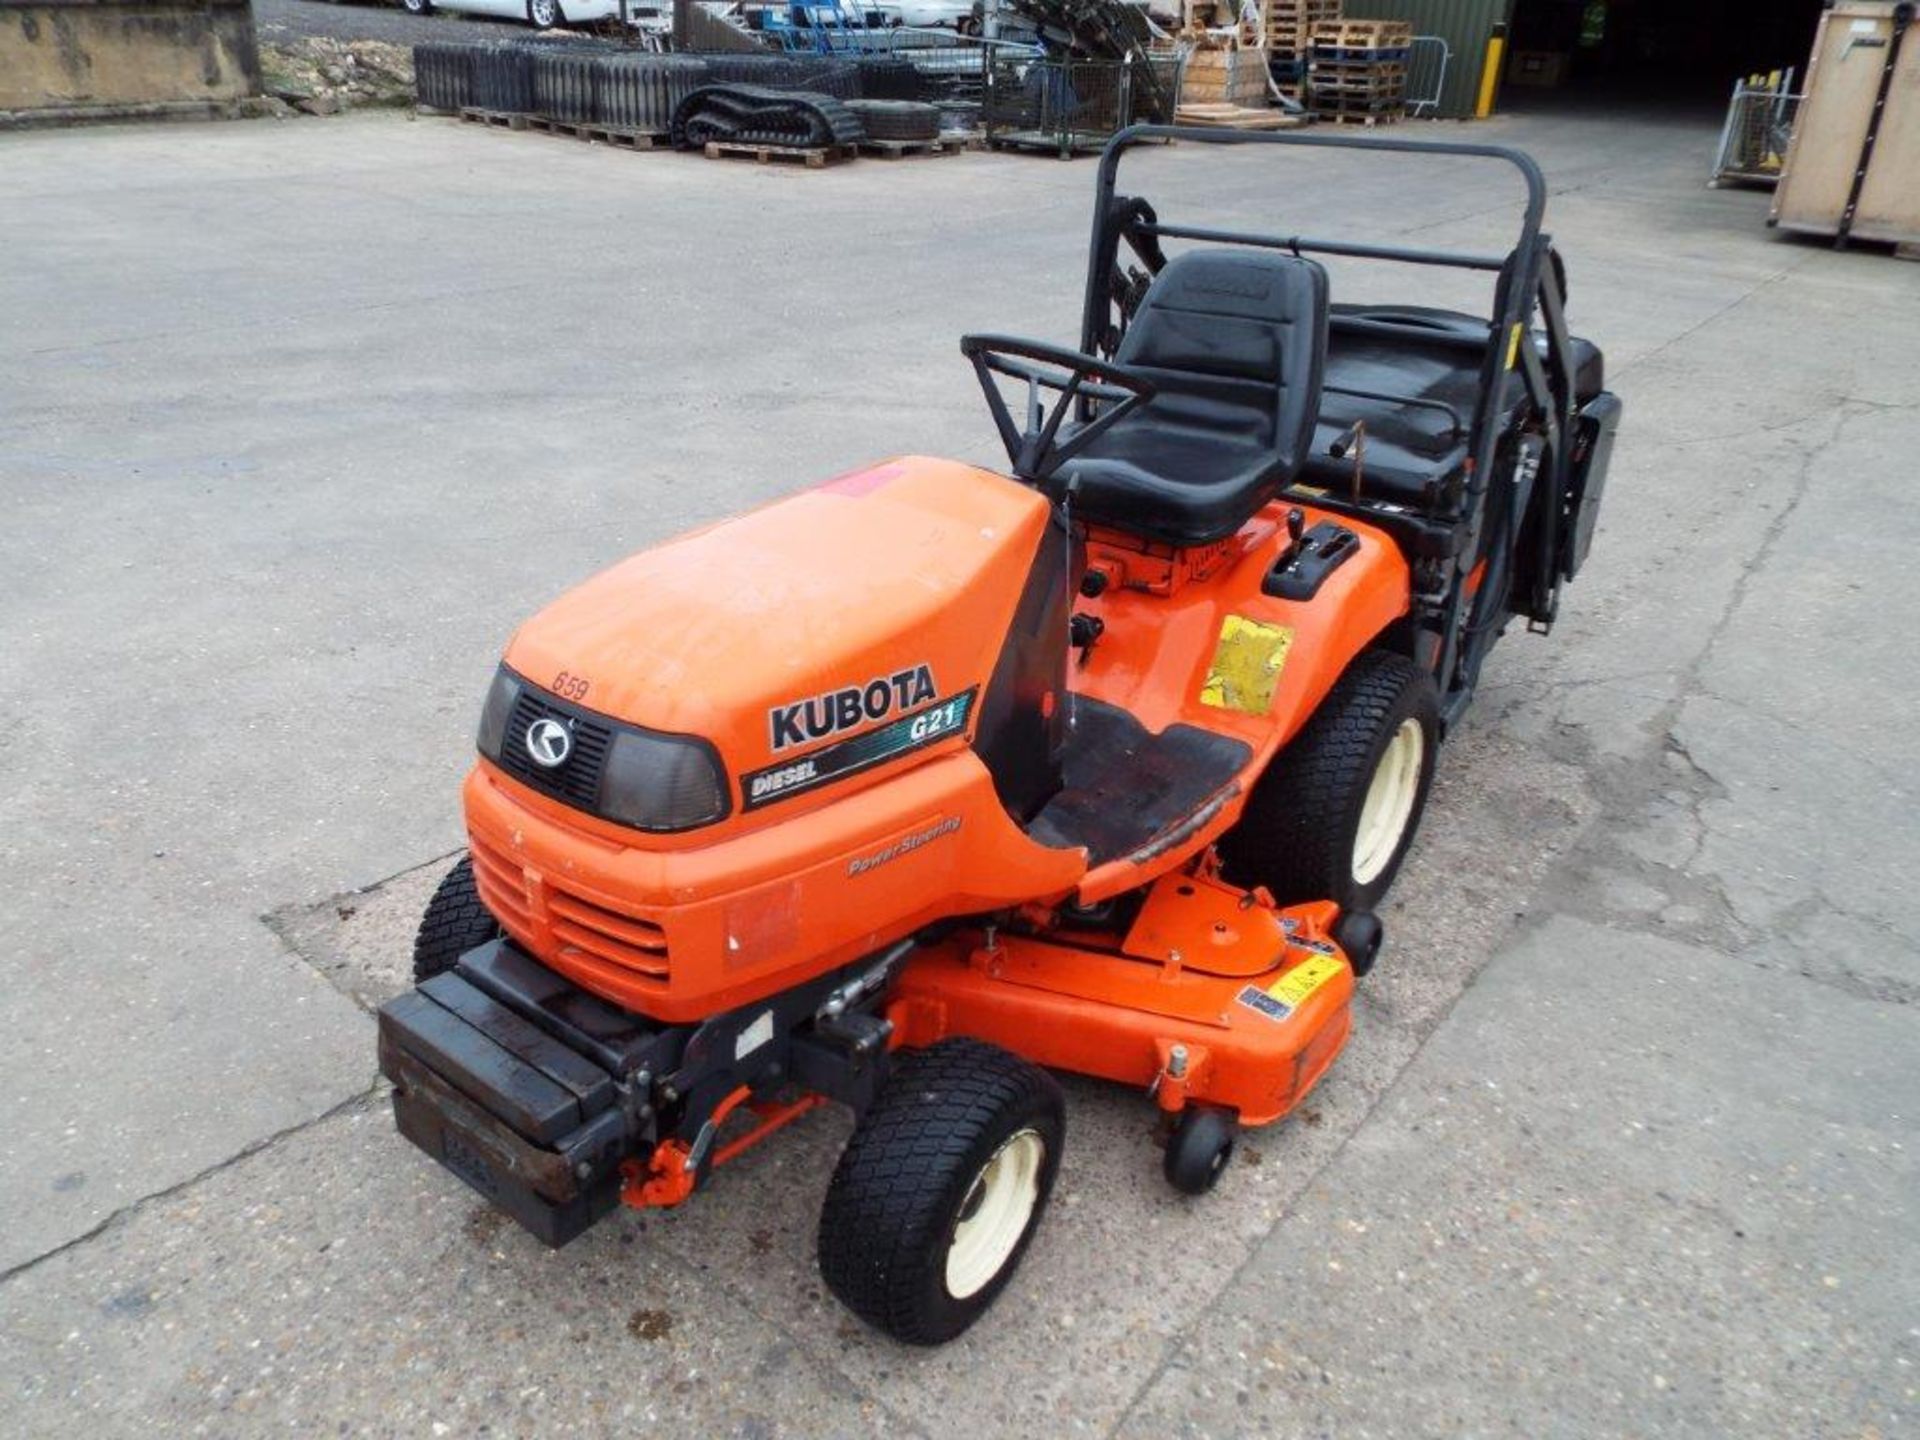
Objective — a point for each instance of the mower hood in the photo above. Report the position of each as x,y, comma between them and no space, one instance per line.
830,613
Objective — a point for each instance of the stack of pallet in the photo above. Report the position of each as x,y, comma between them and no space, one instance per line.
1358,72
1290,25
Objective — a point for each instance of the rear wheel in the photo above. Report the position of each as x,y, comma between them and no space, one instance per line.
940,1189
1335,813
455,922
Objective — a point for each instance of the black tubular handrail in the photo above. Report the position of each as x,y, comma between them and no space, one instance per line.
1303,245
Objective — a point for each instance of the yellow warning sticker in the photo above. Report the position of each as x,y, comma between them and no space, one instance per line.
1293,988
1513,345
1246,665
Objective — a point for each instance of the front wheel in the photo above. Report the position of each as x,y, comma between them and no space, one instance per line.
1336,811
941,1188
455,922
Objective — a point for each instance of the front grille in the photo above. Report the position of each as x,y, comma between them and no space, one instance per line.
557,920
502,885
577,781
630,943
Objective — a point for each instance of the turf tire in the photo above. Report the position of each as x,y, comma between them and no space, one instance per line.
1298,832
455,922
895,1201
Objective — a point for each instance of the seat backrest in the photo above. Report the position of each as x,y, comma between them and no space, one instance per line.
1245,316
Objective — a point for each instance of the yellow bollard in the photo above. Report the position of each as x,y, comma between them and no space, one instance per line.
1490,72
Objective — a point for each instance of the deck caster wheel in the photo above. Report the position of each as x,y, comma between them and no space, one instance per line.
1199,1149
454,923
1359,934
940,1189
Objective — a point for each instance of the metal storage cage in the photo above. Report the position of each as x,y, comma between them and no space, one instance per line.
1072,107
1753,142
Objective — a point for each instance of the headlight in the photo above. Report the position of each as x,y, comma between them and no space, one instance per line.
659,782
624,774
493,716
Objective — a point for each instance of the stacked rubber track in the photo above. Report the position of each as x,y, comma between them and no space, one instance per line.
793,101
580,82
758,115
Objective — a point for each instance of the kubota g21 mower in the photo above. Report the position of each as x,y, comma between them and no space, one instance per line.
897,791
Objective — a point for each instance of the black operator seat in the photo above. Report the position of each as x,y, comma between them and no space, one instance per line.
1236,342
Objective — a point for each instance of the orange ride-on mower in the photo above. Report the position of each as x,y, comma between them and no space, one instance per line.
905,789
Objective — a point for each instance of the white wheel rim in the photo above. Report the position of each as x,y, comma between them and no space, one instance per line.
995,1213
1389,803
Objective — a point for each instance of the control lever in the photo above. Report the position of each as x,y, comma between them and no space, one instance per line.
1309,558
1354,439
1296,526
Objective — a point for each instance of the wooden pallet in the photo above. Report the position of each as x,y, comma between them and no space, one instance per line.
1351,55
617,135
1359,117
1364,34
1390,89
1290,23
505,119
900,149
814,158
1348,70
1233,117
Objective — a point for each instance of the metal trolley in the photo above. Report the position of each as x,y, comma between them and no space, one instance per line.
1073,107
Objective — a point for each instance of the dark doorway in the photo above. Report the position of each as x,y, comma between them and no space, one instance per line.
1648,54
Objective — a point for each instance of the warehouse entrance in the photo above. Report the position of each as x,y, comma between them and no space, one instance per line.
1647,54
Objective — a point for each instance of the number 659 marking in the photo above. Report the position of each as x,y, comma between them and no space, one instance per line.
570,687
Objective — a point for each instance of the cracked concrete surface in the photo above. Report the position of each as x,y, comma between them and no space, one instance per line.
1622,1144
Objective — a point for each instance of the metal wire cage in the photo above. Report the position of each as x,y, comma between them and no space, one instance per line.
1753,142
1072,107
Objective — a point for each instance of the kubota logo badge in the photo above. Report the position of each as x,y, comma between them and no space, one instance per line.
549,743
857,705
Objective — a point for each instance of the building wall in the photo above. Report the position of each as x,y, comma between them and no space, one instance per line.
114,55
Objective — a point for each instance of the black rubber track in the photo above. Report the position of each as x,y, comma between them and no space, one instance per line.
455,922
755,115
1296,835
895,1197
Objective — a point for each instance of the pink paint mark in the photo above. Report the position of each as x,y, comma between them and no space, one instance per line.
862,482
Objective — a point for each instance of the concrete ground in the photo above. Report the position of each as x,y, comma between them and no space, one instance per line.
297,420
